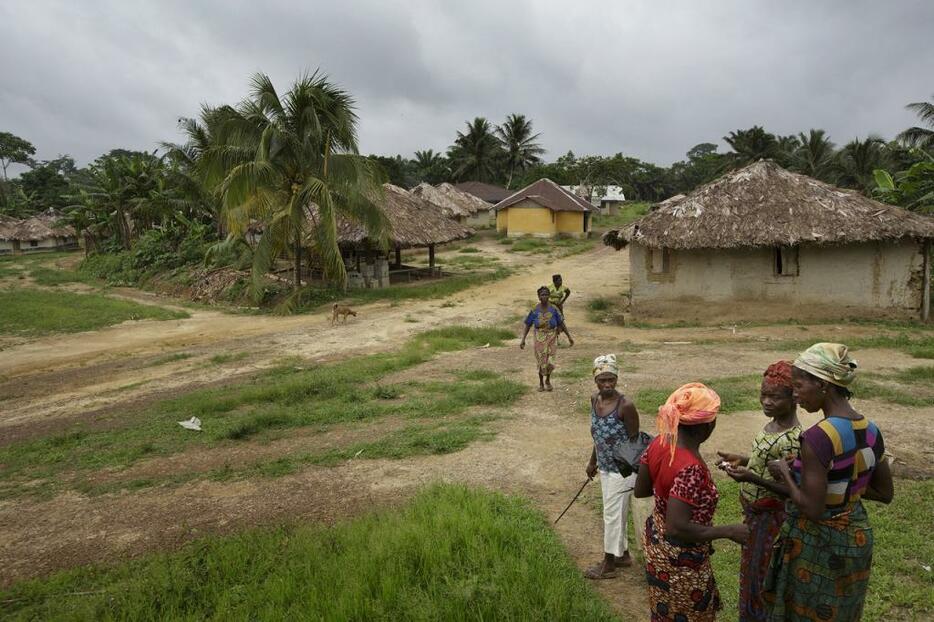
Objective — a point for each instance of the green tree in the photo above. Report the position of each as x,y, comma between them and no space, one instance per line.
751,145
48,183
476,154
912,188
14,149
430,167
921,137
857,162
518,141
815,156
277,156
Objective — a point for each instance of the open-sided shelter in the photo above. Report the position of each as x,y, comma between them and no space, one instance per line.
412,224
40,232
762,234
543,209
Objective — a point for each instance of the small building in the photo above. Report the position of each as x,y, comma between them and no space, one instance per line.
459,206
765,242
413,223
40,232
543,209
483,191
607,199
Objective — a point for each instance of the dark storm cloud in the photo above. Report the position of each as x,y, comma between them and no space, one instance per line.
648,79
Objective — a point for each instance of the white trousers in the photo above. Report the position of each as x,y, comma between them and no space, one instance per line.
617,493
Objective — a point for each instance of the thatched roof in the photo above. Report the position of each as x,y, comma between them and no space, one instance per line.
548,194
471,203
448,207
37,227
412,222
764,205
483,191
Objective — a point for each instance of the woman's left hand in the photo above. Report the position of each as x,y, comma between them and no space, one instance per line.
778,469
738,473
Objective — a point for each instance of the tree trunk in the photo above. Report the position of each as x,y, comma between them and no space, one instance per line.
398,257
431,256
298,263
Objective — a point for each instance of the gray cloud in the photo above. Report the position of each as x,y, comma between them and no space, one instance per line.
648,79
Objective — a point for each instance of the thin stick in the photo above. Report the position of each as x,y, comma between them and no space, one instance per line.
584,485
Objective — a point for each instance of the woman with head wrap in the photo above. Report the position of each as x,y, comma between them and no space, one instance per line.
678,535
820,566
613,420
763,498
548,324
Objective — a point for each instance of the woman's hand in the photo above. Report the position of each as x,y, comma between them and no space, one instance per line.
735,460
591,469
738,533
738,473
779,469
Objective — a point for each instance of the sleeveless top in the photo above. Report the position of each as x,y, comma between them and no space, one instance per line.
607,432
851,450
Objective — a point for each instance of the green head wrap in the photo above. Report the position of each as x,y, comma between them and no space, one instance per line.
828,361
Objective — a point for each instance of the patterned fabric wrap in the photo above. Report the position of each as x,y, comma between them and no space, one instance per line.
679,574
690,404
605,364
769,446
820,570
556,294
850,450
764,519
828,361
607,432
546,323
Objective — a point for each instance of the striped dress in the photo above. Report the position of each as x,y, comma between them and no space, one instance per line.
820,569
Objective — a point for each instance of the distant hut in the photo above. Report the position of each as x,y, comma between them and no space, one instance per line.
463,207
413,223
483,191
40,232
608,199
762,234
543,209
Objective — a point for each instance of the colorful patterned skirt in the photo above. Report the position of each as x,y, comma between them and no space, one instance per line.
764,519
820,570
681,581
546,349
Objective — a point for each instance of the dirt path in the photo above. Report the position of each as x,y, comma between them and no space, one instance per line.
539,451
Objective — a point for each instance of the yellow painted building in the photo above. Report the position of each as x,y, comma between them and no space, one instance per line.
545,210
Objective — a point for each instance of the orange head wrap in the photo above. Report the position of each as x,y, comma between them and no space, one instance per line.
691,404
778,374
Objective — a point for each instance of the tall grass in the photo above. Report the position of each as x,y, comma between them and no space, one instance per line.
737,393
450,554
34,312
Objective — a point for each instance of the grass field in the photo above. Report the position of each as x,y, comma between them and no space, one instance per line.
433,418
450,554
34,312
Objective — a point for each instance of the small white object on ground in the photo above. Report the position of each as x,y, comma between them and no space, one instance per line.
191,424
486,345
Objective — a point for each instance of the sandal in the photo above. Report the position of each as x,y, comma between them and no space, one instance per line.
540,389
595,573
548,387
623,562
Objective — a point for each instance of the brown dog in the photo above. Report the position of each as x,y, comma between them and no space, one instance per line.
343,311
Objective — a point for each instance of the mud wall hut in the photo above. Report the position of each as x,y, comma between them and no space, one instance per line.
40,232
766,236
461,206
543,209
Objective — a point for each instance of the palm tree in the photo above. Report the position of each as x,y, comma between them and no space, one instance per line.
277,156
429,166
815,155
519,144
922,137
858,160
751,145
476,152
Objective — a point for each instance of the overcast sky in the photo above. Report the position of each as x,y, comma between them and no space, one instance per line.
646,78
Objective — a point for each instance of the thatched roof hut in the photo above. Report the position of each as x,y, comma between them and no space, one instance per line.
461,206
448,207
413,222
764,234
766,205
483,191
39,232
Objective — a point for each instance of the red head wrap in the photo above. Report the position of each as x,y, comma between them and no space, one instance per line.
778,375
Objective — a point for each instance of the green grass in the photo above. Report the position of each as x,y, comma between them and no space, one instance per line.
604,310
451,553
471,262
38,312
561,247
52,277
469,249
229,357
169,358
899,588
737,393
628,212
281,399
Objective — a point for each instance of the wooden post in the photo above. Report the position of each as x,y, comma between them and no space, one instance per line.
926,282
398,257
431,256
